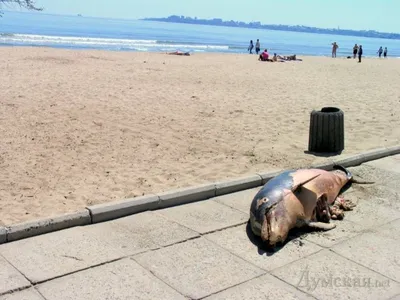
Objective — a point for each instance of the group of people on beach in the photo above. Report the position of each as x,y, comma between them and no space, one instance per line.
358,50
265,56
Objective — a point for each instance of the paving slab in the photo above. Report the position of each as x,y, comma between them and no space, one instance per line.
123,279
141,232
205,216
379,176
236,241
390,230
374,251
343,231
390,163
371,212
55,254
29,294
327,275
239,200
198,268
377,195
10,278
265,287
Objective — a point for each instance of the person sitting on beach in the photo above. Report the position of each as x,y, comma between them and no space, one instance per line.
290,57
179,53
275,58
264,56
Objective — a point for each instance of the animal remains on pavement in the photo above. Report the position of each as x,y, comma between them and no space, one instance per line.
297,198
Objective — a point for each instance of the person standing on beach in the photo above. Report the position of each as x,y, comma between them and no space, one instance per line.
251,46
380,51
385,53
360,52
355,50
258,46
334,48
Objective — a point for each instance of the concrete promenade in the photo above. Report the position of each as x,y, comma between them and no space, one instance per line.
205,250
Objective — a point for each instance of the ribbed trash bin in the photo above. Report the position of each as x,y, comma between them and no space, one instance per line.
326,130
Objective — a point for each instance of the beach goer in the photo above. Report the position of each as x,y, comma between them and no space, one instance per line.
380,51
179,53
251,46
355,50
360,53
289,57
258,47
264,56
275,57
385,52
335,46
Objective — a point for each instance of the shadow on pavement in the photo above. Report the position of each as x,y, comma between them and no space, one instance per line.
262,247
322,154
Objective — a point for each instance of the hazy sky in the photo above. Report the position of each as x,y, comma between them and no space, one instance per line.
381,15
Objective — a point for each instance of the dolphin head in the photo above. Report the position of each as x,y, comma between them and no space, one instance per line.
272,220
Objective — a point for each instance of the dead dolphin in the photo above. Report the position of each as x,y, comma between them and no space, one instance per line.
297,198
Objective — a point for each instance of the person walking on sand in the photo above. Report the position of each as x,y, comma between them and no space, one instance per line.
355,50
258,47
360,53
251,46
385,53
334,49
380,51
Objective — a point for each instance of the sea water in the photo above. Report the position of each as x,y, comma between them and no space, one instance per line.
81,32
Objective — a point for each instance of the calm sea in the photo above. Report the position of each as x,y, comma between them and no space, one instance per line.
76,32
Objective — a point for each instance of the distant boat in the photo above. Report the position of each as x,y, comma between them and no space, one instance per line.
79,15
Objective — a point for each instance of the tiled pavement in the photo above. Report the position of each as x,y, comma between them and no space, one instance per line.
204,250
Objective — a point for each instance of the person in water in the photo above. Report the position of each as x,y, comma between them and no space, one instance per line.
380,51
251,46
258,47
385,53
360,53
355,50
334,49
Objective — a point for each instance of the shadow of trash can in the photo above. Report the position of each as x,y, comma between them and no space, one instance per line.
326,133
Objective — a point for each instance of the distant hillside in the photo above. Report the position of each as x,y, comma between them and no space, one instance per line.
297,28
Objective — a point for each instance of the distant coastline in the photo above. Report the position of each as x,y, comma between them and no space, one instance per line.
258,25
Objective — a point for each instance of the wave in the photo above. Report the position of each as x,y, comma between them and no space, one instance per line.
107,43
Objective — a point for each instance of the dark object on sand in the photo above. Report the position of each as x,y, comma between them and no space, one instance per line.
300,198
179,53
326,133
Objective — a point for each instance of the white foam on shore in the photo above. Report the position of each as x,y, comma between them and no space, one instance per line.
108,43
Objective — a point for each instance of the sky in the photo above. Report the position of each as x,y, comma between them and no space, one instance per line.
380,15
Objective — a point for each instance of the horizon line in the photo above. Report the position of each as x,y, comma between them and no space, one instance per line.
143,18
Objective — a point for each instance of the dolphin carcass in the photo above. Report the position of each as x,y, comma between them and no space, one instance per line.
296,198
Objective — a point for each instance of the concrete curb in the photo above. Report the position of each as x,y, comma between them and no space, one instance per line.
3,235
186,195
29,229
113,210
240,184
118,209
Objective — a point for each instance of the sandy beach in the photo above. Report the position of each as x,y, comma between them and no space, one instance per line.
87,127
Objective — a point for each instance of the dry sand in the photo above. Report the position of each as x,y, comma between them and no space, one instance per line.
87,127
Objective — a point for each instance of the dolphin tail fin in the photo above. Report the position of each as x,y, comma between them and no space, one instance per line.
362,182
300,184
